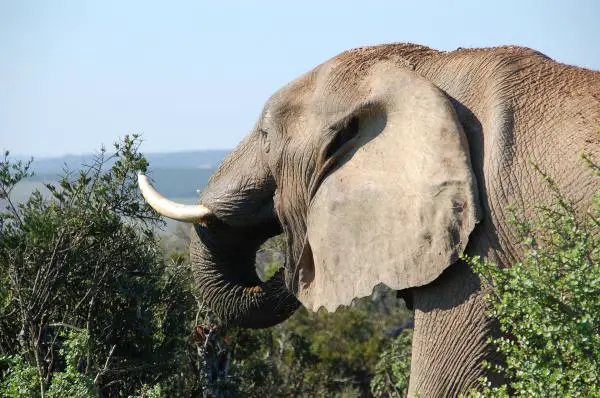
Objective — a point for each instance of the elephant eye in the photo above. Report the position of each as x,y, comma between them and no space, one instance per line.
266,142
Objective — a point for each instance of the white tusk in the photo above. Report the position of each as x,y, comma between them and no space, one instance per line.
168,208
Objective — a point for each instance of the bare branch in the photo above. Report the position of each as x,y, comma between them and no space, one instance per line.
66,325
104,369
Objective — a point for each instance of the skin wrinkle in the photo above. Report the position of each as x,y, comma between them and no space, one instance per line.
224,288
445,364
505,69
227,195
296,165
295,222
463,353
495,93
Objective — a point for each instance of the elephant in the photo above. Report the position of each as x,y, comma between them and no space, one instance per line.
382,166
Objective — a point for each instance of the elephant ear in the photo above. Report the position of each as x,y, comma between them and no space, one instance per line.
399,207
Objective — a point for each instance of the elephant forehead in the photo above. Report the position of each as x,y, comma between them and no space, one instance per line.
347,71
291,97
328,85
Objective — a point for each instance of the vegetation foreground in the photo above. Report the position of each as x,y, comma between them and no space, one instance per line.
93,303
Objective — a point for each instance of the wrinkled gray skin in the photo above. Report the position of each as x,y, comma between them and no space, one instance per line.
514,105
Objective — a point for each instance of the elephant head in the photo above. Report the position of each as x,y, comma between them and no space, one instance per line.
363,164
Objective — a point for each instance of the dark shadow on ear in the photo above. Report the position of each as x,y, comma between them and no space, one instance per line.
484,237
453,287
407,296
458,282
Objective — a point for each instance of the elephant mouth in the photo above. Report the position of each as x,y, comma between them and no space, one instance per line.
238,246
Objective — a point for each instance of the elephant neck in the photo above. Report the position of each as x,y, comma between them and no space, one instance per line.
450,339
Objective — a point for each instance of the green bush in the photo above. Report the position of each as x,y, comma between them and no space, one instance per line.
548,305
87,300
19,378
393,368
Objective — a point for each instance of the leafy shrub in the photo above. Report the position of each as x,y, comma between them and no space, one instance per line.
87,300
21,379
548,305
393,367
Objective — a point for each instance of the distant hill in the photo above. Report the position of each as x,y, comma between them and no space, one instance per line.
177,175
202,159
178,182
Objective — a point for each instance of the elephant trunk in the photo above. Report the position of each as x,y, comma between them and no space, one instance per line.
227,280
236,217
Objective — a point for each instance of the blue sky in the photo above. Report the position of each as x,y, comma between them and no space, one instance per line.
195,74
